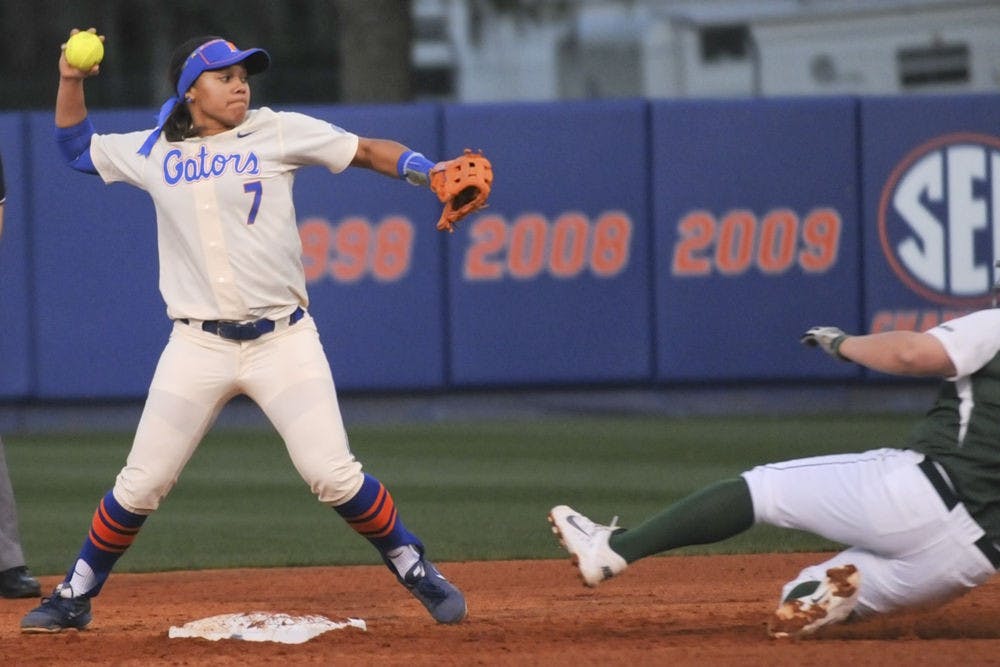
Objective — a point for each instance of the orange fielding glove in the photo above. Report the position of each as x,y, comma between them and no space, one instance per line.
463,185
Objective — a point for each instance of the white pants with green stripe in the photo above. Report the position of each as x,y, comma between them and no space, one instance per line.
908,546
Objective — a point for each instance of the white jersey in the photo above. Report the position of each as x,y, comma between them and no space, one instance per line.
229,247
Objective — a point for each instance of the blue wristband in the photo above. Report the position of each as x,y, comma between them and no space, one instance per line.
74,145
414,167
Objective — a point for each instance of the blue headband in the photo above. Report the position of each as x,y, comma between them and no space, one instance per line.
212,55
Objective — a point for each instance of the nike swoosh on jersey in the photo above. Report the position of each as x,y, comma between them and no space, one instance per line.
240,135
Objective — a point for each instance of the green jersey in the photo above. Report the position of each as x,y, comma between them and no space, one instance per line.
962,429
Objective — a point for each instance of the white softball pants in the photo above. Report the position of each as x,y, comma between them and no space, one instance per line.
285,372
909,548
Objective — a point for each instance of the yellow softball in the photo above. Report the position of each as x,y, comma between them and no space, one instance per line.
84,50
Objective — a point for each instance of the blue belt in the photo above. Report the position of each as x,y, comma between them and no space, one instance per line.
951,501
244,330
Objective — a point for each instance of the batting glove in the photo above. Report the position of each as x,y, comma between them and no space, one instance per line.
827,338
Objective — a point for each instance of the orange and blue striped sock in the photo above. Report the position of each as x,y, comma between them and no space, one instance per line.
112,531
372,514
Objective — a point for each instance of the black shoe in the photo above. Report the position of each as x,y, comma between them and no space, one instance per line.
17,582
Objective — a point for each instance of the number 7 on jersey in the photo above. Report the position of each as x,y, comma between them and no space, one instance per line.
256,188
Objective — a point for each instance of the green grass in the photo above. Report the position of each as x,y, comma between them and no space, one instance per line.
470,490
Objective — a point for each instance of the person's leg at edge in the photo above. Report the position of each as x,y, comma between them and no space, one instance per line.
15,578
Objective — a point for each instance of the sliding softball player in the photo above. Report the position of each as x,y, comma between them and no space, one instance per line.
922,520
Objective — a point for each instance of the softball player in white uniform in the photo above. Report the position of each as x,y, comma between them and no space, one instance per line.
220,176
922,521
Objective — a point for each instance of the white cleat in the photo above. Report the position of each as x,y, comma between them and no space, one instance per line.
587,543
813,604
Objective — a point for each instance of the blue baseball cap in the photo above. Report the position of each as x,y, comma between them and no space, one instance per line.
217,54
212,55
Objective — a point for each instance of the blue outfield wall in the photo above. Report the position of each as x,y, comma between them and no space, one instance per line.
551,284
627,242
99,322
931,203
757,235
17,351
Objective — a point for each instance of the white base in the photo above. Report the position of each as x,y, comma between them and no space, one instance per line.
263,626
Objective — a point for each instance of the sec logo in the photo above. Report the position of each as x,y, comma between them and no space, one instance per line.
939,219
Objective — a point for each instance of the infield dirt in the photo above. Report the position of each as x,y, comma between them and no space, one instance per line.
678,610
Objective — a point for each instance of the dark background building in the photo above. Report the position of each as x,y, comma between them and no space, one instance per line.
323,51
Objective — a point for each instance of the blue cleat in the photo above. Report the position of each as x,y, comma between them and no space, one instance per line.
445,602
58,612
